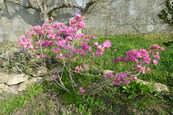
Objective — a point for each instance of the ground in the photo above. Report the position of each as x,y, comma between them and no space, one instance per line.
46,99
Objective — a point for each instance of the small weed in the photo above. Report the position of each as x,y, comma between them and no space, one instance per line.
135,89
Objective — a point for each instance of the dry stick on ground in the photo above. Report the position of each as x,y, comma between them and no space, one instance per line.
45,9
71,78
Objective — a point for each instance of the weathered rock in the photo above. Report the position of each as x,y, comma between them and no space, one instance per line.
57,69
157,86
3,88
143,82
1,3
13,89
16,79
48,78
7,91
29,83
4,77
4,96
160,87
104,72
40,71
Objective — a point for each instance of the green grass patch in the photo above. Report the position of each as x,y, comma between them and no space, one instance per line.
17,102
132,99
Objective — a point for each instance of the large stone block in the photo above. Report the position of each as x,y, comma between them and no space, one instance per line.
16,79
4,77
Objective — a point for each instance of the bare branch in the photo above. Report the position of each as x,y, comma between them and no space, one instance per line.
88,5
41,8
64,5
59,6
28,6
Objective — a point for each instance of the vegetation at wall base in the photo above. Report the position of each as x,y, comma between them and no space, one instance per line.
134,98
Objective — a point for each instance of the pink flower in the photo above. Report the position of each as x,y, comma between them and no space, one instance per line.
155,46
51,36
51,31
44,56
46,25
78,68
109,75
54,76
148,69
60,56
80,51
25,42
57,25
85,47
117,83
81,90
143,70
156,56
118,59
107,44
139,67
126,82
61,43
85,66
157,53
134,78
98,53
51,19
38,56
41,56
78,21
126,59
74,110
147,60
100,47
121,76
95,43
55,50
155,62
162,48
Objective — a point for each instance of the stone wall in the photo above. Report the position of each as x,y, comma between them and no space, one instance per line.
14,21
107,17
111,17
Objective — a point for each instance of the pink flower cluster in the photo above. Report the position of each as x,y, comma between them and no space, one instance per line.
79,68
54,76
25,42
81,90
61,41
64,42
142,57
78,21
120,78
101,48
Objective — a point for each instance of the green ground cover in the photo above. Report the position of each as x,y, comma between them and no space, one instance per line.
135,98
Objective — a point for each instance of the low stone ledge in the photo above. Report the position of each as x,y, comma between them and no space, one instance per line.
29,83
16,79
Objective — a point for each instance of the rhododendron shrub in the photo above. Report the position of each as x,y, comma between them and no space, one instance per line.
142,60
63,43
66,45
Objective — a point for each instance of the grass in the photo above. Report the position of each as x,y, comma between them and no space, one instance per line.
110,100
18,101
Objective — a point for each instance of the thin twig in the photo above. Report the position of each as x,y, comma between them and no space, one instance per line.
71,78
20,70
25,6
39,5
